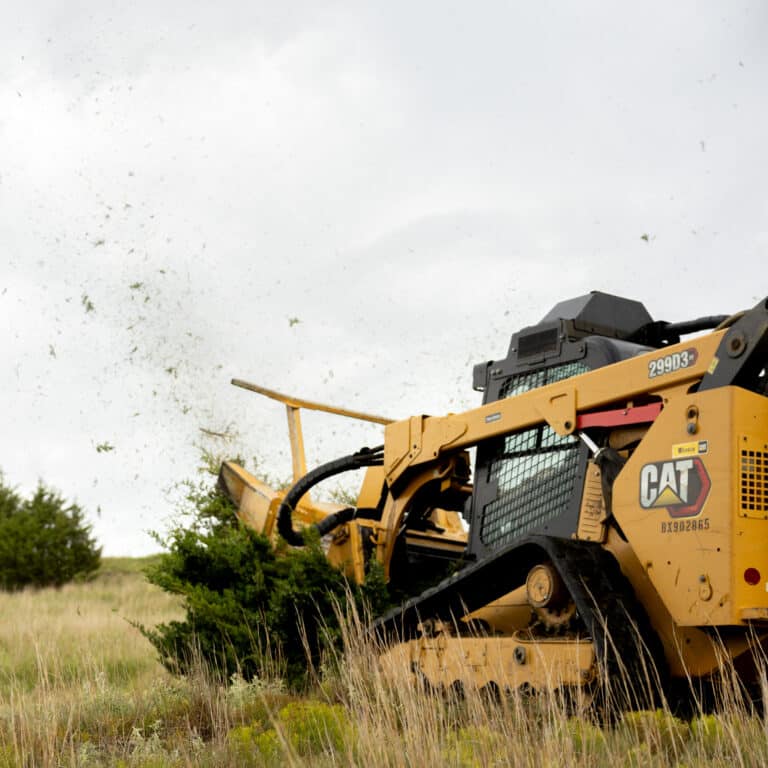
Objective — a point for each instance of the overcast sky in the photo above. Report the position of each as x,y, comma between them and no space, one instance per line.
352,202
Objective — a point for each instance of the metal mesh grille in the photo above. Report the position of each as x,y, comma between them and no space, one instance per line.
522,382
754,482
535,470
532,490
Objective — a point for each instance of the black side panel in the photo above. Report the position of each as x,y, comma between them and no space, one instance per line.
534,483
531,481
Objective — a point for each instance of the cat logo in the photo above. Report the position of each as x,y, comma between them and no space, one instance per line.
680,486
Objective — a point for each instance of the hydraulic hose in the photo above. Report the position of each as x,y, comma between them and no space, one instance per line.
699,324
365,457
661,333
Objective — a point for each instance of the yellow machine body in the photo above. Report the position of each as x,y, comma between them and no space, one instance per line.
666,513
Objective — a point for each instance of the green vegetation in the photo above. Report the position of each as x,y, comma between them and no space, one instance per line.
44,541
248,608
81,687
266,660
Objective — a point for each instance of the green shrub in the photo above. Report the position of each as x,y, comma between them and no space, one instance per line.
306,728
269,747
314,727
474,747
245,604
44,541
660,731
708,732
586,738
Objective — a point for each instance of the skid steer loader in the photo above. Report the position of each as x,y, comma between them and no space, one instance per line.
615,526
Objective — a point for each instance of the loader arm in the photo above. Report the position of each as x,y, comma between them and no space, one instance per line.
422,439
737,348
413,446
601,397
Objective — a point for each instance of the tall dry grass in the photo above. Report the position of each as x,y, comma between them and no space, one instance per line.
80,632
396,720
79,686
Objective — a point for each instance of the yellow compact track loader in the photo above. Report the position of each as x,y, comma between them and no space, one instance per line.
615,525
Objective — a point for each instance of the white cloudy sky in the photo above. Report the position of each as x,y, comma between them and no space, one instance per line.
412,181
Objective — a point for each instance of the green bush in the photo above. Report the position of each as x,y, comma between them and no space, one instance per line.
587,739
659,731
246,605
306,729
314,727
44,541
474,747
708,732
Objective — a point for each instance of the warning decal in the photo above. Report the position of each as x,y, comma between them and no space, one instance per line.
690,449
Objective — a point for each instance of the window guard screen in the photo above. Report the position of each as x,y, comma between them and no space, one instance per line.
534,469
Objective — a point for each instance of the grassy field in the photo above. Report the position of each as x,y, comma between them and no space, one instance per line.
80,686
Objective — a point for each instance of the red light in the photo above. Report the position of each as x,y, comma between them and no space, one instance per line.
752,576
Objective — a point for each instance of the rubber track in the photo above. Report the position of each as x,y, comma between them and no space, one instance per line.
632,666
630,655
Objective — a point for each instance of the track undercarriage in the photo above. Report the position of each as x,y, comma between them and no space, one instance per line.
572,621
